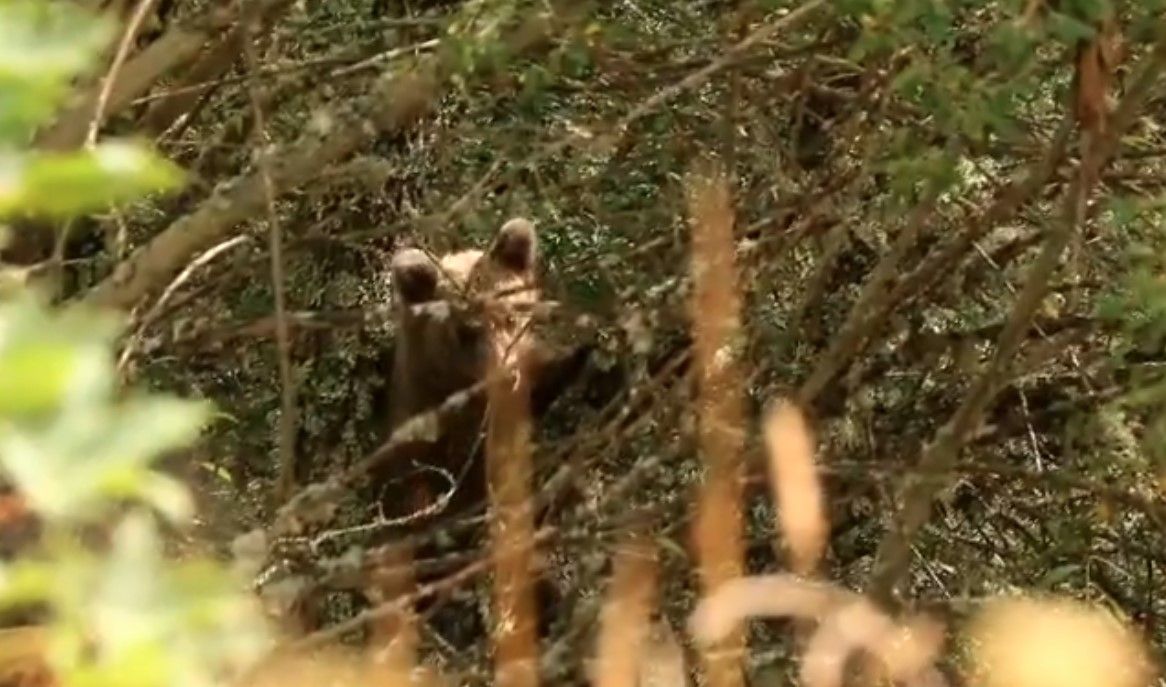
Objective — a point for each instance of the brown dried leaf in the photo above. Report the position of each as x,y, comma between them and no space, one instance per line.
797,492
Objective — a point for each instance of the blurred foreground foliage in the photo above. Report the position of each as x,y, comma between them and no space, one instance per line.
78,453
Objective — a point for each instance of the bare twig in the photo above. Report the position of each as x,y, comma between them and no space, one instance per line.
394,606
285,483
386,56
155,311
409,94
939,457
110,79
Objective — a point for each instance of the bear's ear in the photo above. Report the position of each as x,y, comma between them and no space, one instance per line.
515,248
415,276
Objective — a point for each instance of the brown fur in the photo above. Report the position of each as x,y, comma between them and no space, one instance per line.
451,314
455,315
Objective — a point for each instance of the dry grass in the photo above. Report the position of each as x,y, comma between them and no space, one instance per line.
625,621
395,636
796,491
716,308
509,473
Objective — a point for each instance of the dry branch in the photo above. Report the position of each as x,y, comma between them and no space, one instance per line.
214,61
123,49
624,622
940,456
397,102
286,481
175,48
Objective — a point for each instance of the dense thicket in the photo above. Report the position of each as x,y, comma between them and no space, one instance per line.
947,224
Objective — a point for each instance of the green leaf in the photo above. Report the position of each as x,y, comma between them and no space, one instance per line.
51,360
48,40
23,581
63,185
91,457
33,380
43,46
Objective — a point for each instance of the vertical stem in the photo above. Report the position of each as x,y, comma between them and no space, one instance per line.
716,307
286,481
509,473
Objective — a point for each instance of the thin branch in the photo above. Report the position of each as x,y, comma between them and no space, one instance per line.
173,49
285,483
174,103
123,50
395,104
156,310
860,327
765,33
857,325
940,456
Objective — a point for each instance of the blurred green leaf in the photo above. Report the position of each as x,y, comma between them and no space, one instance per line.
135,617
32,380
43,46
51,360
67,184
25,580
76,447
92,456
